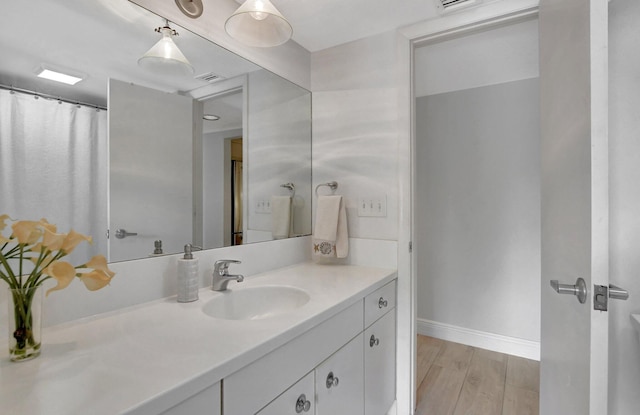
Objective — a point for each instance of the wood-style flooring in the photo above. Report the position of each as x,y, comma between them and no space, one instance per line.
454,379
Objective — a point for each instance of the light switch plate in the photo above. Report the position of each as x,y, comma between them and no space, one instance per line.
263,206
374,206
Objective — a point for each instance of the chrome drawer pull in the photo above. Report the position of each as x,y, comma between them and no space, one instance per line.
382,302
302,404
373,341
332,380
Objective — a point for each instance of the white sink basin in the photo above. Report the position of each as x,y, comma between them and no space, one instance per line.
255,303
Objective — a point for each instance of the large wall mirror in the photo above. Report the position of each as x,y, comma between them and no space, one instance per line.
146,157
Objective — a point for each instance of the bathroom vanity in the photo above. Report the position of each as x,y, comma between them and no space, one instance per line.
307,339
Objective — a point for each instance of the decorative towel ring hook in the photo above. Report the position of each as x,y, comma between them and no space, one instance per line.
332,185
291,187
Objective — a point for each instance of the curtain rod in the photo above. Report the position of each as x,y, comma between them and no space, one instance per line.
51,97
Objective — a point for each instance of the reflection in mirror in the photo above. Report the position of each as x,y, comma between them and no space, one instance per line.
128,152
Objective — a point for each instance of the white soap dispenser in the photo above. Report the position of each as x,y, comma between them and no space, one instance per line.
188,281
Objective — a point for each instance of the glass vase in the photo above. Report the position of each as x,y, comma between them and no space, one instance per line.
25,322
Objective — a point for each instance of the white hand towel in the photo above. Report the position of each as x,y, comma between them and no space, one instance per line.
280,216
331,238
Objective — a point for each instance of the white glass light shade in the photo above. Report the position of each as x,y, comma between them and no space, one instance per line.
164,57
258,23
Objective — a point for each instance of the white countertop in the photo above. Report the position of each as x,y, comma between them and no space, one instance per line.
144,358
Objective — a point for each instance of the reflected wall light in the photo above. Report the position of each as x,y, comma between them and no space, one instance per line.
258,23
191,8
164,57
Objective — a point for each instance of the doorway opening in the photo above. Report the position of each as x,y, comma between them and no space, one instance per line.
477,211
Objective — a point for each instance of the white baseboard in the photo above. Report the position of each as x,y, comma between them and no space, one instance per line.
495,342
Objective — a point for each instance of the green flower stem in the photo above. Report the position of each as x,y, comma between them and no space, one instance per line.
20,268
13,283
23,319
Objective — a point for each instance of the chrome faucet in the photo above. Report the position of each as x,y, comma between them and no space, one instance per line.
221,276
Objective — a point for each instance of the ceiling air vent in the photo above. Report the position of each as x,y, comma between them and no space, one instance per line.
209,77
448,6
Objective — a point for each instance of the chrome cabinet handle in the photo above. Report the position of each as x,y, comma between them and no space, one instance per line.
382,302
332,380
579,289
373,341
121,233
302,404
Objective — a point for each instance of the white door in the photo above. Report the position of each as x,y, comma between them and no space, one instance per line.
150,170
573,79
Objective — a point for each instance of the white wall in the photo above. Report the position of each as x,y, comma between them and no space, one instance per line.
279,135
356,142
478,209
477,219
504,54
355,130
150,143
624,204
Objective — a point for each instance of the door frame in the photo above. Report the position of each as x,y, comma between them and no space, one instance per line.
407,40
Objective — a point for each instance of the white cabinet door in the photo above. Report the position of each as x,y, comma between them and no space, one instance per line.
380,365
206,402
298,399
340,381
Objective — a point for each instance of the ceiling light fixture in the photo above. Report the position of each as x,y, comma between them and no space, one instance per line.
165,57
258,23
56,75
210,117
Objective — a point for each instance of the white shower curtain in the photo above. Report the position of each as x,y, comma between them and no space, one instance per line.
53,164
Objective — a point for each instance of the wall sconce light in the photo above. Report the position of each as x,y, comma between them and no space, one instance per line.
165,57
258,23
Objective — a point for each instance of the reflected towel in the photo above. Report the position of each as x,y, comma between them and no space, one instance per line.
331,238
280,216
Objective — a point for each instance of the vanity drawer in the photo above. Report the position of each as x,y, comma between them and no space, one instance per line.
379,302
294,400
203,402
274,373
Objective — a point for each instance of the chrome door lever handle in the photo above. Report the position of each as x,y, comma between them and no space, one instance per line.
121,233
579,289
618,293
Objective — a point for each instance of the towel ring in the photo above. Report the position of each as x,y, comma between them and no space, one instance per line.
332,185
291,187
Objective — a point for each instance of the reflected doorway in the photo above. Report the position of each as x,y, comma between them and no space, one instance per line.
235,200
